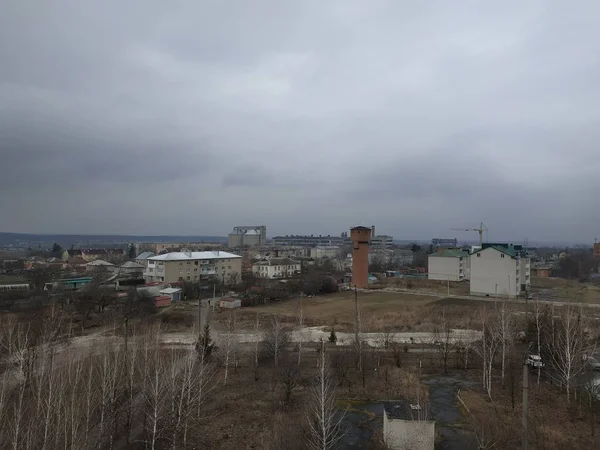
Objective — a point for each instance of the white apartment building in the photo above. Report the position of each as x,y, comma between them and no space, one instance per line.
382,241
276,268
500,270
192,266
448,265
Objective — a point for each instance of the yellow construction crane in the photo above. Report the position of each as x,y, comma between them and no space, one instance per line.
480,230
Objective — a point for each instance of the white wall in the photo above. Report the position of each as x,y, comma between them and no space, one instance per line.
490,272
281,271
445,268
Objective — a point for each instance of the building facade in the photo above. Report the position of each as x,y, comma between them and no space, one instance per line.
193,266
322,251
382,241
500,270
276,268
596,250
247,236
448,265
310,241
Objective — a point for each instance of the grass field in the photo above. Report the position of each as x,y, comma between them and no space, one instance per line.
562,289
12,279
379,311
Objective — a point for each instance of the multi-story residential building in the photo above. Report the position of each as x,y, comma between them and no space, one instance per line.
276,268
448,265
159,247
311,241
323,251
247,236
381,241
500,270
193,266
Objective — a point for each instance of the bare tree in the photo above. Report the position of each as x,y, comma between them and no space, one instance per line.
256,345
538,314
275,340
591,387
506,332
324,418
229,344
485,428
388,337
300,331
290,379
442,336
155,394
358,340
486,349
566,346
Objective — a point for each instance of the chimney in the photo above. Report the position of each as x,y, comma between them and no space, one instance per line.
372,230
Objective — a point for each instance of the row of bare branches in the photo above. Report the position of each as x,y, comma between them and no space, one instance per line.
97,393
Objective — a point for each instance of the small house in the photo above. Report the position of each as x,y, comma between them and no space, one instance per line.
173,293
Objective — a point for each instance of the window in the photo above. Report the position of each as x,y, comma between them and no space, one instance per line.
188,277
195,263
478,255
501,255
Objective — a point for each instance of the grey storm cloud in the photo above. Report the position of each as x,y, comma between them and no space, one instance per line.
190,117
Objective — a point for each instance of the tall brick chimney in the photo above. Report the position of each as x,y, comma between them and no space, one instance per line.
360,256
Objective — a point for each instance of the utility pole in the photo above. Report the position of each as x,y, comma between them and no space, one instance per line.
357,329
214,292
525,389
199,317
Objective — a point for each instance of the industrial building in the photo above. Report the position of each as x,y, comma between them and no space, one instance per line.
192,266
247,236
449,265
310,241
361,237
276,268
443,242
499,270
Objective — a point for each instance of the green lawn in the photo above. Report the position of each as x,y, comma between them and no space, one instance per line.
12,279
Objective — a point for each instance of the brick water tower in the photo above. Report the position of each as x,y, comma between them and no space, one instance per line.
361,236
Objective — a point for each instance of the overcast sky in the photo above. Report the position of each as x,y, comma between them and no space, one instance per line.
191,117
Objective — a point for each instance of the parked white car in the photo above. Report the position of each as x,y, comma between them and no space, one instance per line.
534,361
